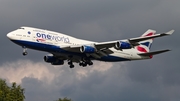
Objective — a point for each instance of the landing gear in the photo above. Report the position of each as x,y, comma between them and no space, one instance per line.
85,62
80,64
90,63
70,64
24,51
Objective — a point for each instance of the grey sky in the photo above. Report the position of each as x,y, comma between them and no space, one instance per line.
103,20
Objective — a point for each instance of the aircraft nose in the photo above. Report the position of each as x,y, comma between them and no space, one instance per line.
9,35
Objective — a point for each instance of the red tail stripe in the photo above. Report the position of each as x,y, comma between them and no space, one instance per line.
150,34
141,49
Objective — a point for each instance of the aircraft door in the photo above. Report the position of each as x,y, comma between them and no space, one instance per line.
33,36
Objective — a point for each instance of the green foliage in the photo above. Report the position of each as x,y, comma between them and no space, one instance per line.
13,93
64,99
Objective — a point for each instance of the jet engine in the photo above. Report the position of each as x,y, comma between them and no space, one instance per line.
87,49
123,45
53,60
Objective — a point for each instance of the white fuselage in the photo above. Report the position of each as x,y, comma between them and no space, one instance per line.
54,43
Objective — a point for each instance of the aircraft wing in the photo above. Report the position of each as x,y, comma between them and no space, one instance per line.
131,41
105,45
134,40
72,48
100,49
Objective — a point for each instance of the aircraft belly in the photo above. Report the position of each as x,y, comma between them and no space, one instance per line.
115,57
111,58
37,46
45,47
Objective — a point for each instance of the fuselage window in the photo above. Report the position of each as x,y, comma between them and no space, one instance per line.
21,28
18,35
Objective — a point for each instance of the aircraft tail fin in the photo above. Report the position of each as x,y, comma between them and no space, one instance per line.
144,46
149,32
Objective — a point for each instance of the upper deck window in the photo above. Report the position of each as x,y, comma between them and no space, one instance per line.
22,28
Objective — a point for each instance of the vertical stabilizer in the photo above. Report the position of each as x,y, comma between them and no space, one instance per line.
146,45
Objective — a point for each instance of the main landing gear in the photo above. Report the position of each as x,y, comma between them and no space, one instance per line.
85,62
70,63
81,63
24,51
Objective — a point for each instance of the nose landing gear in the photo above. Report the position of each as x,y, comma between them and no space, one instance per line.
24,51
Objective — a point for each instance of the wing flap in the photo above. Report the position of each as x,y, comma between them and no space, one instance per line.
153,53
105,45
72,48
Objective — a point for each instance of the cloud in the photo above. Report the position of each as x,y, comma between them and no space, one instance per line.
39,77
17,70
102,81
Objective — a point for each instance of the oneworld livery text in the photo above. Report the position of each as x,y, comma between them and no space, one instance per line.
53,37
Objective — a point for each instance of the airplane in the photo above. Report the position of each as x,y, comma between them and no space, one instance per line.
63,47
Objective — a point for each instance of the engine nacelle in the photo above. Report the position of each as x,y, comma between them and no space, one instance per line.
87,49
123,45
53,60
58,62
49,59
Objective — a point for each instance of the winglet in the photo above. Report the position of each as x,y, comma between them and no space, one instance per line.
170,32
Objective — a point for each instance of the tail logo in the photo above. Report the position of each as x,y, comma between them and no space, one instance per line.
141,49
150,34
146,44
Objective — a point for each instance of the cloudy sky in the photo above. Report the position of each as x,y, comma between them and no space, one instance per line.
97,20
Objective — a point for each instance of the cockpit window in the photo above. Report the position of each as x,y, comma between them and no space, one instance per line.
21,28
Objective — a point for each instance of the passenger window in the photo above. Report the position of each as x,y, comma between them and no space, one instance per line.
18,35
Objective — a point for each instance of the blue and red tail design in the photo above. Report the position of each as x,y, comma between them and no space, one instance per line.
146,45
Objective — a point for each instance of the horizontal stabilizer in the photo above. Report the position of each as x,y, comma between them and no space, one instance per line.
153,53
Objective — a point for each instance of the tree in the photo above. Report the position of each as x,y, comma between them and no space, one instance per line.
13,93
64,99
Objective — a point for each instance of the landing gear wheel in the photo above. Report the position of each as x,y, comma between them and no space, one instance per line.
70,63
90,63
84,64
25,53
71,66
80,64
